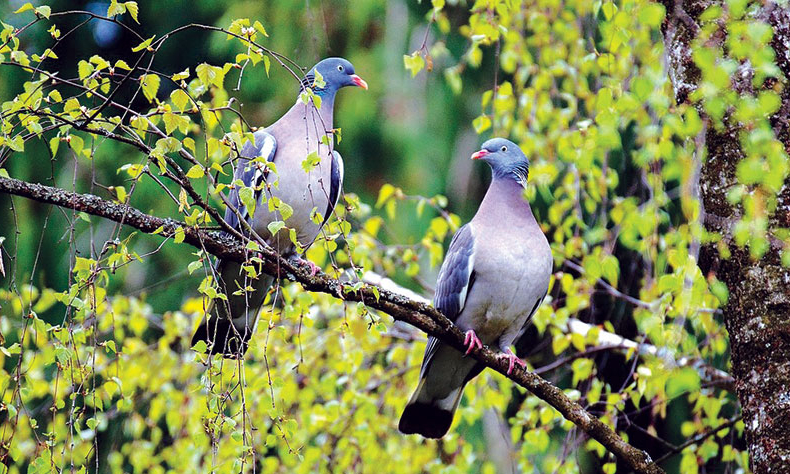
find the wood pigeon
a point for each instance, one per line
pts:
(310, 186)
(494, 276)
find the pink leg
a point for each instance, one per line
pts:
(471, 340)
(313, 267)
(512, 360)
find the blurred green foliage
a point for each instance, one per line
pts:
(96, 320)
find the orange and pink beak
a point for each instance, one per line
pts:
(359, 81)
(480, 154)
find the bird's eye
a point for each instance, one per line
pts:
(504, 148)
(340, 68)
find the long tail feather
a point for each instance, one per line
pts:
(229, 325)
(445, 374)
(429, 419)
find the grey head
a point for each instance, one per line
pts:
(506, 159)
(336, 73)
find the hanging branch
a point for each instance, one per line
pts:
(418, 314)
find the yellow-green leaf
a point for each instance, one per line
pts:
(150, 85)
(196, 171)
(275, 227)
(143, 45)
(181, 75)
(133, 10)
(115, 8)
(178, 237)
(180, 99)
(414, 62)
(25, 7)
(84, 69)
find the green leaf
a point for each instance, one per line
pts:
(84, 69)
(100, 62)
(318, 81)
(685, 380)
(259, 28)
(175, 121)
(209, 74)
(200, 347)
(737, 8)
(196, 171)
(143, 45)
(133, 10)
(167, 145)
(267, 64)
(54, 32)
(44, 11)
(286, 211)
(641, 87)
(386, 191)
(150, 85)
(181, 75)
(720, 291)
(180, 99)
(310, 162)
(481, 123)
(608, 9)
(414, 62)
(453, 78)
(189, 144)
(275, 227)
(247, 198)
(54, 143)
(17, 143)
(194, 266)
(119, 192)
(115, 8)
(76, 143)
(25, 7)
(651, 14)
(179, 235)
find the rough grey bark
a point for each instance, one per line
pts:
(416, 313)
(757, 315)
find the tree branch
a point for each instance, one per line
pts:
(606, 340)
(416, 313)
(700, 437)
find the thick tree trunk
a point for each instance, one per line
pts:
(757, 315)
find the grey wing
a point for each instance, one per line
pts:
(456, 278)
(335, 184)
(250, 173)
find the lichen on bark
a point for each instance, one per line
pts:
(757, 315)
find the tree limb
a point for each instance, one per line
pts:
(606, 340)
(418, 314)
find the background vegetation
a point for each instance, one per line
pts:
(97, 375)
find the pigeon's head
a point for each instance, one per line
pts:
(506, 159)
(336, 73)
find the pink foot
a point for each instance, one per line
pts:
(471, 340)
(512, 360)
(313, 267)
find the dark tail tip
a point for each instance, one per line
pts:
(222, 338)
(427, 420)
